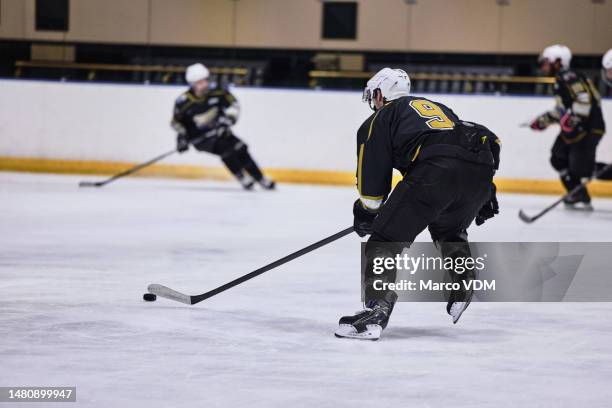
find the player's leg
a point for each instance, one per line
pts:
(581, 166)
(378, 304)
(560, 160)
(227, 148)
(414, 203)
(249, 165)
(220, 147)
(449, 230)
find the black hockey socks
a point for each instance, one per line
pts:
(233, 164)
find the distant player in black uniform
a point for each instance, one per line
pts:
(606, 76)
(448, 168)
(578, 112)
(204, 117)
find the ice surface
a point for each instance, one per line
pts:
(74, 264)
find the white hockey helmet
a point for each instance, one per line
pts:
(392, 83)
(557, 52)
(606, 67)
(195, 73)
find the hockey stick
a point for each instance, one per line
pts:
(126, 172)
(135, 168)
(166, 292)
(529, 219)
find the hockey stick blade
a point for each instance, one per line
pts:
(166, 292)
(172, 294)
(524, 217)
(90, 184)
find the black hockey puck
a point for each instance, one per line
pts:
(149, 297)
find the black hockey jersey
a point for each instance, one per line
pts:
(575, 91)
(409, 129)
(206, 115)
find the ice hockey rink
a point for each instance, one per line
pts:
(75, 262)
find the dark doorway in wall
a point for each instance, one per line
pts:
(52, 15)
(339, 20)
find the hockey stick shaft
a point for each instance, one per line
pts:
(128, 171)
(526, 218)
(135, 168)
(168, 293)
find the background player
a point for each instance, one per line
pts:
(208, 115)
(578, 112)
(606, 67)
(448, 168)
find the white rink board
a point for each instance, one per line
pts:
(292, 129)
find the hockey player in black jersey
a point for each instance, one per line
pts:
(578, 112)
(448, 168)
(204, 117)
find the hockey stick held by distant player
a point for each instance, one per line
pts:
(126, 172)
(133, 169)
(166, 292)
(529, 219)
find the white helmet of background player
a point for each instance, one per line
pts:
(391, 83)
(557, 52)
(195, 73)
(606, 67)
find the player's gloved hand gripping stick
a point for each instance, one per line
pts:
(166, 292)
(135, 168)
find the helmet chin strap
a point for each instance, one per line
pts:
(374, 95)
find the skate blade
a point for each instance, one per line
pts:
(346, 331)
(457, 310)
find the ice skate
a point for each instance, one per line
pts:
(267, 184)
(246, 181)
(581, 201)
(456, 309)
(367, 324)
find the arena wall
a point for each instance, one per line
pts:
(298, 135)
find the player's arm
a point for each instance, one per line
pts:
(178, 121)
(374, 172)
(230, 110)
(495, 146)
(374, 163)
(554, 115)
(178, 124)
(491, 207)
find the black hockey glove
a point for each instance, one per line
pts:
(182, 144)
(364, 218)
(490, 209)
(541, 122)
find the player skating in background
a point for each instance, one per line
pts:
(448, 168)
(578, 112)
(606, 68)
(606, 76)
(208, 115)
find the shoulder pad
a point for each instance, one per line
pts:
(182, 98)
(217, 92)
